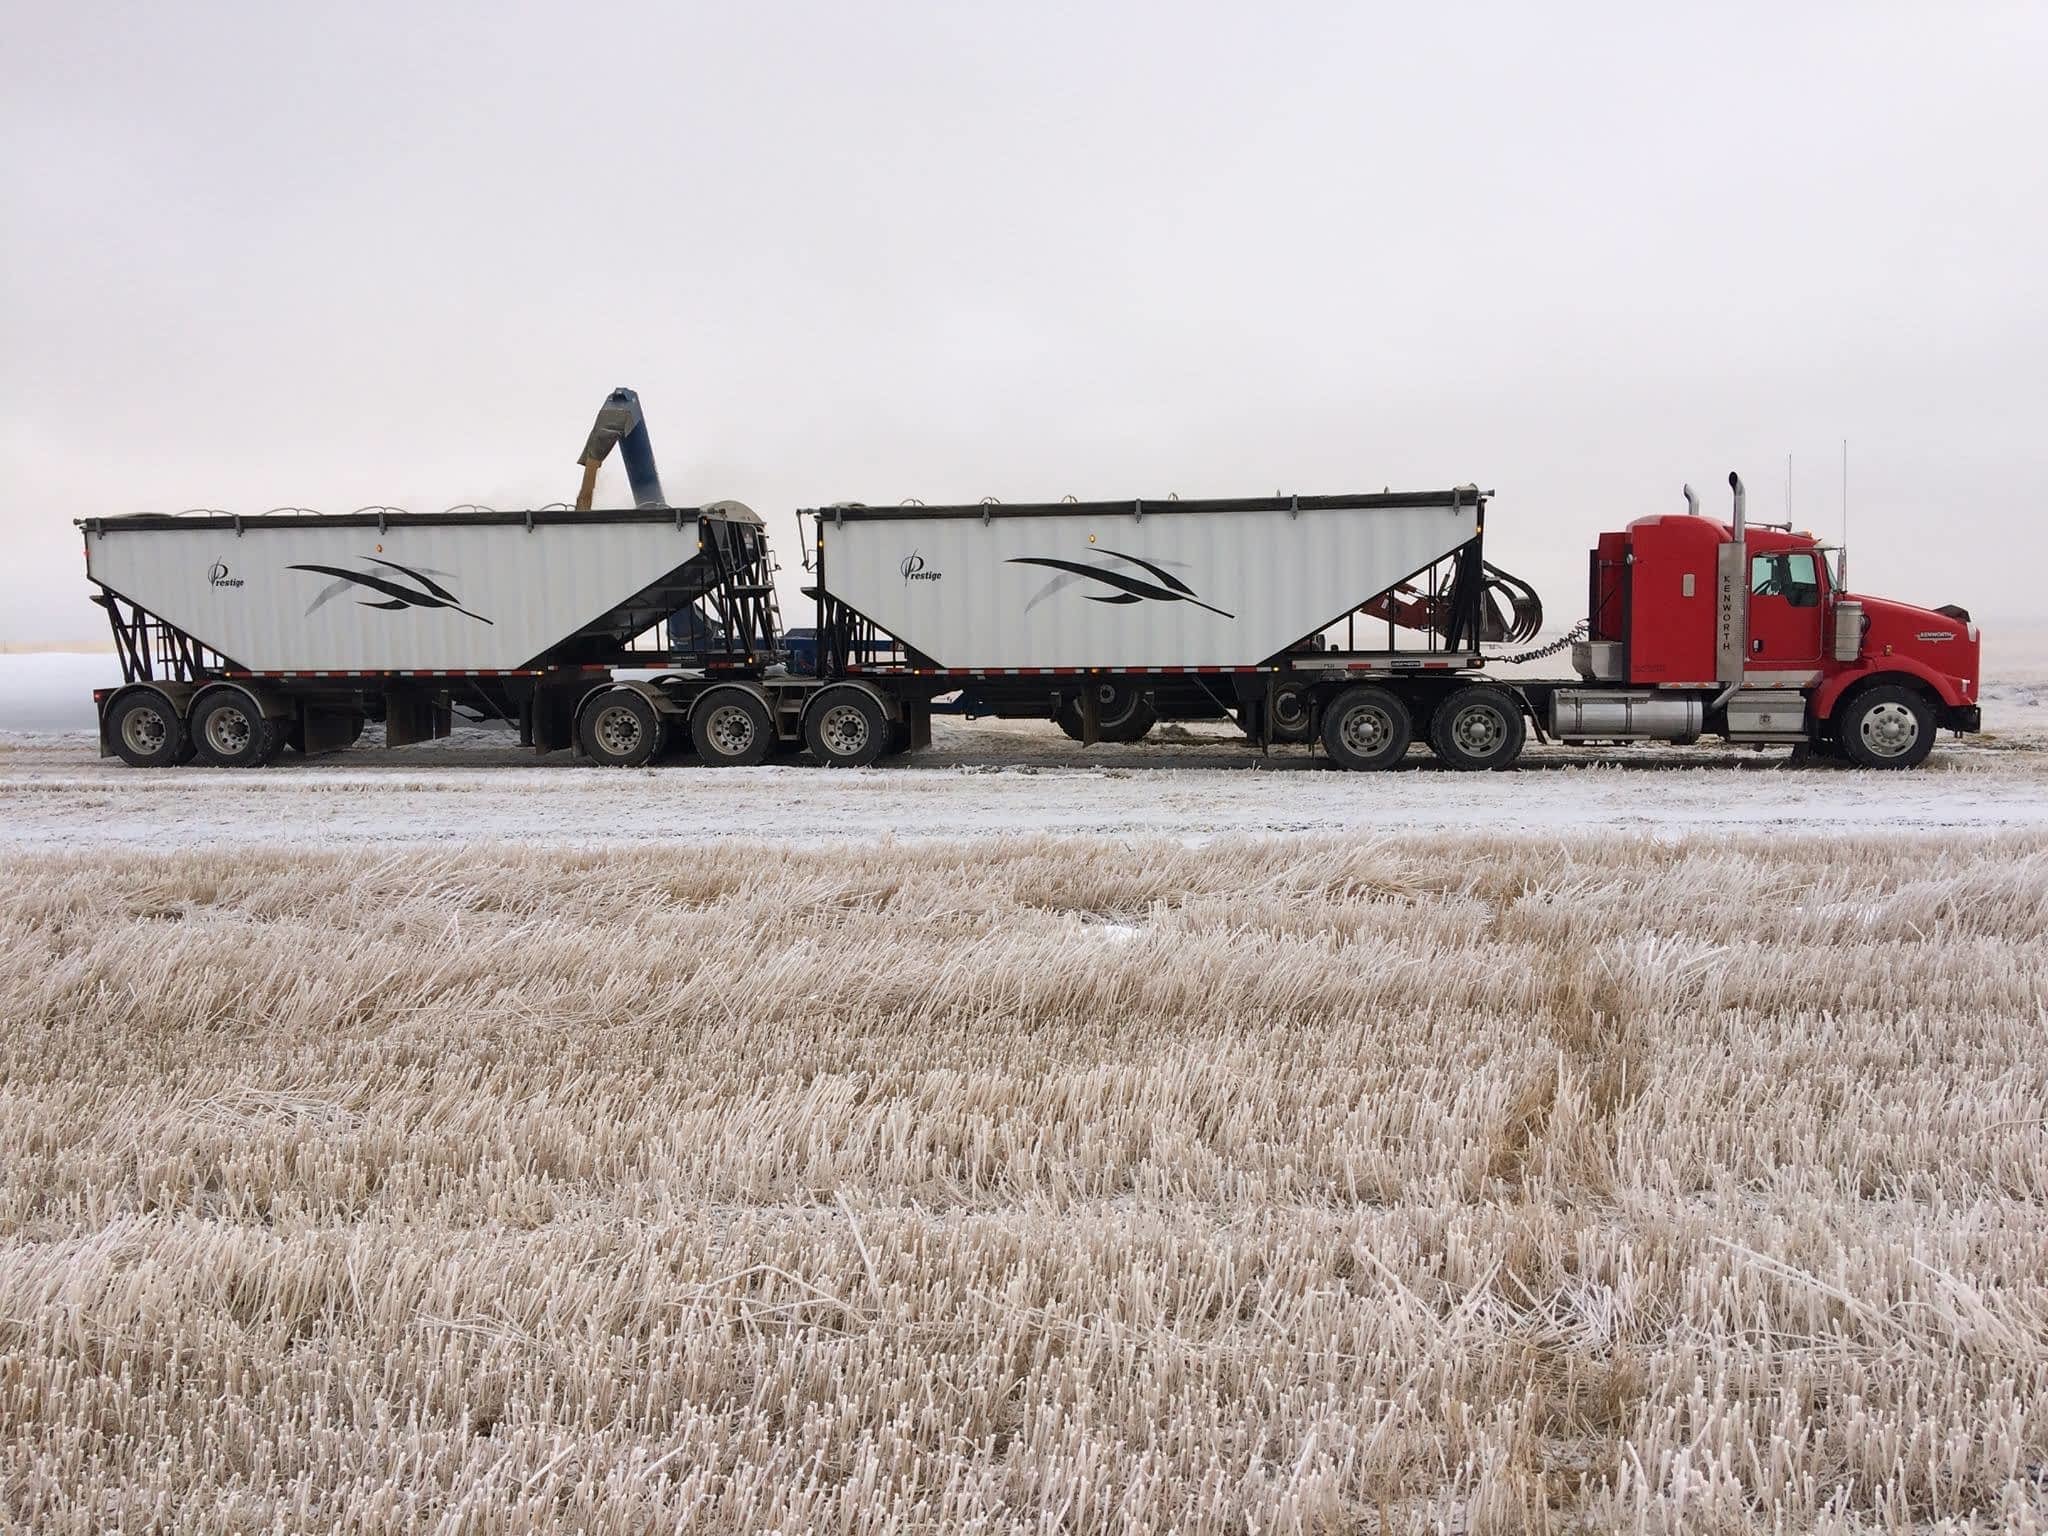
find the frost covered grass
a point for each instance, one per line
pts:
(1468, 1183)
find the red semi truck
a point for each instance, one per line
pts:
(1777, 650)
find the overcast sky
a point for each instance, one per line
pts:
(333, 255)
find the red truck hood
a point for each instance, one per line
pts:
(1940, 642)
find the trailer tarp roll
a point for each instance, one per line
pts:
(1132, 584)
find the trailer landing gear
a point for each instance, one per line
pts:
(1122, 714)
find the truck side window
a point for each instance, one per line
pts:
(1791, 577)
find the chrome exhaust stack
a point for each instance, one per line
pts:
(1731, 648)
(1692, 503)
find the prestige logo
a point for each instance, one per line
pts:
(913, 568)
(217, 576)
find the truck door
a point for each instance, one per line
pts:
(1784, 611)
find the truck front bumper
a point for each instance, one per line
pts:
(1963, 717)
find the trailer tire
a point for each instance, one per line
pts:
(1366, 728)
(144, 730)
(846, 728)
(621, 729)
(732, 728)
(1887, 726)
(230, 731)
(1477, 729)
(1122, 714)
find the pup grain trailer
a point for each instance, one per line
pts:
(241, 636)
(1359, 623)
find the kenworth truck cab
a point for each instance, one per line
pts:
(1750, 624)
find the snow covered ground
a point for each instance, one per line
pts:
(979, 778)
(45, 693)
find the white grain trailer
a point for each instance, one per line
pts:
(1131, 586)
(1294, 615)
(241, 637)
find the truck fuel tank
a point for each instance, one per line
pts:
(1583, 714)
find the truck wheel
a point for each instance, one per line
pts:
(1122, 714)
(731, 729)
(231, 732)
(145, 732)
(846, 728)
(1477, 728)
(620, 729)
(1366, 727)
(1886, 727)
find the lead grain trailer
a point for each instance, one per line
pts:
(243, 637)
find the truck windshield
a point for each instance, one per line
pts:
(1791, 577)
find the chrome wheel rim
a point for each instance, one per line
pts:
(1479, 730)
(1889, 730)
(730, 729)
(228, 731)
(144, 732)
(844, 730)
(1367, 729)
(619, 731)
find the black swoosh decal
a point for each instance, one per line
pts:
(406, 597)
(1117, 579)
(1168, 577)
(428, 582)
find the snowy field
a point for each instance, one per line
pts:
(1455, 1184)
(1022, 1138)
(979, 778)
